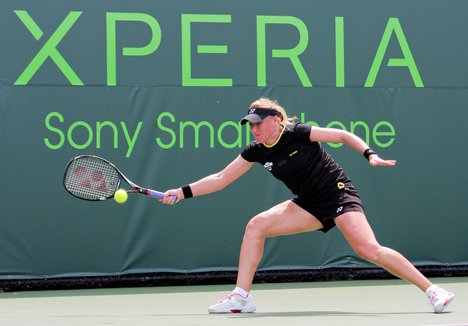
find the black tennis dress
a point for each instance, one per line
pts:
(320, 184)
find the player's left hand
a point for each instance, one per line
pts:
(375, 160)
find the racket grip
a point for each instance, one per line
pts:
(156, 194)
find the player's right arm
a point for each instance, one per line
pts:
(213, 182)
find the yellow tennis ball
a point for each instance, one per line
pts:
(120, 196)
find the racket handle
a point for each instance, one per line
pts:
(156, 194)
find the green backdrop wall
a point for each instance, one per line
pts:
(157, 87)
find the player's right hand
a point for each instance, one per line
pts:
(172, 196)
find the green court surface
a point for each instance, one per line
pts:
(388, 302)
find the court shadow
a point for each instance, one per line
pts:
(324, 314)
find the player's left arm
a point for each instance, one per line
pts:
(330, 135)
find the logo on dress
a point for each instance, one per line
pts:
(293, 153)
(268, 166)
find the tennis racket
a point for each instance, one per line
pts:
(91, 177)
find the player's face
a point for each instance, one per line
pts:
(266, 131)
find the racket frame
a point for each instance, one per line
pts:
(135, 188)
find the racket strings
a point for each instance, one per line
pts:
(91, 178)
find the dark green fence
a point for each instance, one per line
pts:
(157, 87)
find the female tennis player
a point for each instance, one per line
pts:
(325, 197)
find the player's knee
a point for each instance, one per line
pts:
(369, 251)
(257, 226)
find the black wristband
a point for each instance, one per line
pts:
(368, 152)
(187, 191)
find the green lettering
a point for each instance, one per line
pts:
(312, 123)
(99, 126)
(187, 79)
(339, 51)
(111, 22)
(218, 49)
(131, 140)
(49, 49)
(238, 141)
(59, 132)
(75, 125)
(171, 133)
(292, 54)
(393, 25)
(390, 132)
(247, 135)
(196, 127)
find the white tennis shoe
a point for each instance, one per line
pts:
(439, 298)
(233, 303)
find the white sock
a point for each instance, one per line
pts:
(431, 289)
(242, 292)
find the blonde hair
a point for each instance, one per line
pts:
(266, 103)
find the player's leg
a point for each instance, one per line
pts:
(282, 219)
(360, 236)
